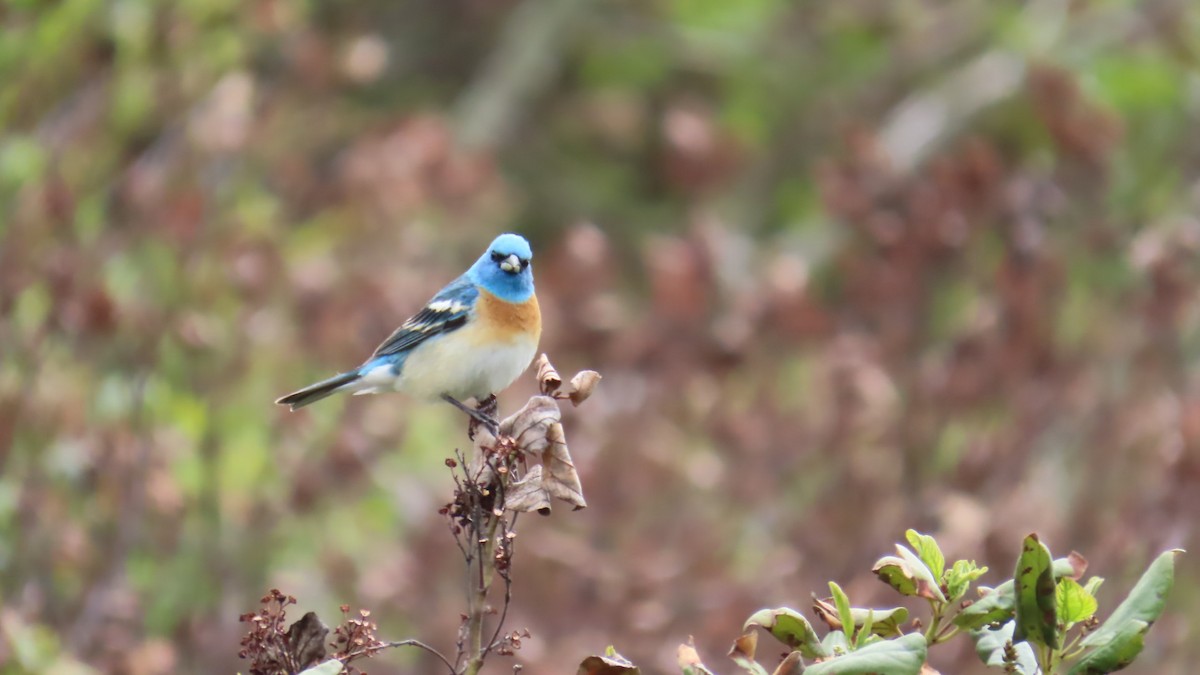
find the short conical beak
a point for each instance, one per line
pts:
(511, 264)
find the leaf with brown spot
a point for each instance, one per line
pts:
(1033, 584)
(908, 575)
(789, 627)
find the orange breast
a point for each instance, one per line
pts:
(509, 319)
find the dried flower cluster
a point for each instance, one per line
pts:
(356, 638)
(274, 650)
(511, 642)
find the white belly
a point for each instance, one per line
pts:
(456, 364)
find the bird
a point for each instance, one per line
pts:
(470, 340)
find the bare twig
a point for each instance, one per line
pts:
(406, 643)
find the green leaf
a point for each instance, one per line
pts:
(835, 643)
(884, 622)
(959, 577)
(908, 575)
(1037, 620)
(1093, 585)
(996, 606)
(860, 639)
(990, 645)
(330, 667)
(903, 656)
(1073, 602)
(789, 627)
(843, 607)
(1115, 654)
(1119, 640)
(929, 551)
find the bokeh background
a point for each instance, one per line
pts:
(847, 268)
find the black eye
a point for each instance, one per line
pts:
(496, 256)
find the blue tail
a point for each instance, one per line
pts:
(315, 392)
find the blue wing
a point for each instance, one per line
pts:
(445, 312)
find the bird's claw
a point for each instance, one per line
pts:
(484, 415)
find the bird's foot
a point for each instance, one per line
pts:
(484, 415)
(489, 408)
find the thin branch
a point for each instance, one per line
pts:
(401, 643)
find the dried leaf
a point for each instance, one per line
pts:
(548, 378)
(1072, 567)
(792, 665)
(689, 660)
(582, 385)
(827, 612)
(561, 480)
(536, 430)
(884, 622)
(742, 653)
(611, 663)
(306, 640)
(528, 425)
(527, 495)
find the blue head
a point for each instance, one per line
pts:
(505, 269)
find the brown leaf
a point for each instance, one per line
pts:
(528, 425)
(548, 378)
(536, 430)
(528, 495)
(582, 385)
(561, 481)
(686, 654)
(609, 664)
(744, 646)
(827, 612)
(1079, 565)
(792, 665)
(306, 640)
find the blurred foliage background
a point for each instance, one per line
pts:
(847, 267)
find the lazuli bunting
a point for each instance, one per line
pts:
(472, 339)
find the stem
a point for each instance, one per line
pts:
(934, 623)
(945, 635)
(481, 571)
(506, 576)
(1045, 659)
